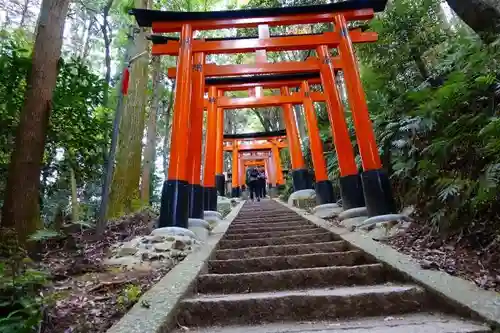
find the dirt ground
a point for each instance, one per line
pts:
(90, 297)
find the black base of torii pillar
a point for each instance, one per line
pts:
(220, 184)
(351, 191)
(195, 201)
(210, 198)
(377, 192)
(235, 192)
(174, 209)
(301, 179)
(324, 192)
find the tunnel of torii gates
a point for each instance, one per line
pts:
(183, 196)
(254, 149)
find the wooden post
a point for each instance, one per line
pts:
(351, 190)
(220, 179)
(195, 138)
(376, 185)
(242, 173)
(300, 174)
(324, 189)
(175, 195)
(277, 164)
(209, 189)
(235, 188)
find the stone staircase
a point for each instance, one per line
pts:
(276, 272)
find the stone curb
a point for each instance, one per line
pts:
(462, 293)
(163, 298)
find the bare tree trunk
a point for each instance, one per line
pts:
(483, 16)
(24, 13)
(86, 45)
(300, 122)
(266, 124)
(150, 150)
(23, 181)
(422, 69)
(228, 122)
(106, 32)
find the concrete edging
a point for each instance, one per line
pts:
(164, 297)
(484, 304)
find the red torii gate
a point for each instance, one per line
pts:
(376, 187)
(215, 129)
(253, 142)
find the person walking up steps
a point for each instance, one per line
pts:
(253, 180)
(262, 182)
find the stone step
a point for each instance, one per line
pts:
(271, 234)
(268, 225)
(298, 239)
(280, 250)
(311, 304)
(276, 263)
(270, 219)
(291, 279)
(271, 211)
(409, 323)
(232, 231)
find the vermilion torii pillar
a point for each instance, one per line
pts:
(209, 189)
(235, 184)
(376, 185)
(324, 189)
(175, 193)
(300, 174)
(277, 162)
(196, 133)
(220, 179)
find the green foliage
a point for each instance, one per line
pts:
(129, 296)
(44, 234)
(433, 103)
(78, 131)
(288, 189)
(21, 300)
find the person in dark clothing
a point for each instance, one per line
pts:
(253, 184)
(262, 182)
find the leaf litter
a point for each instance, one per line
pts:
(89, 296)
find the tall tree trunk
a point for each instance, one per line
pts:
(422, 69)
(150, 151)
(24, 13)
(125, 194)
(300, 122)
(264, 121)
(23, 181)
(86, 44)
(483, 16)
(228, 122)
(277, 115)
(166, 140)
(105, 29)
